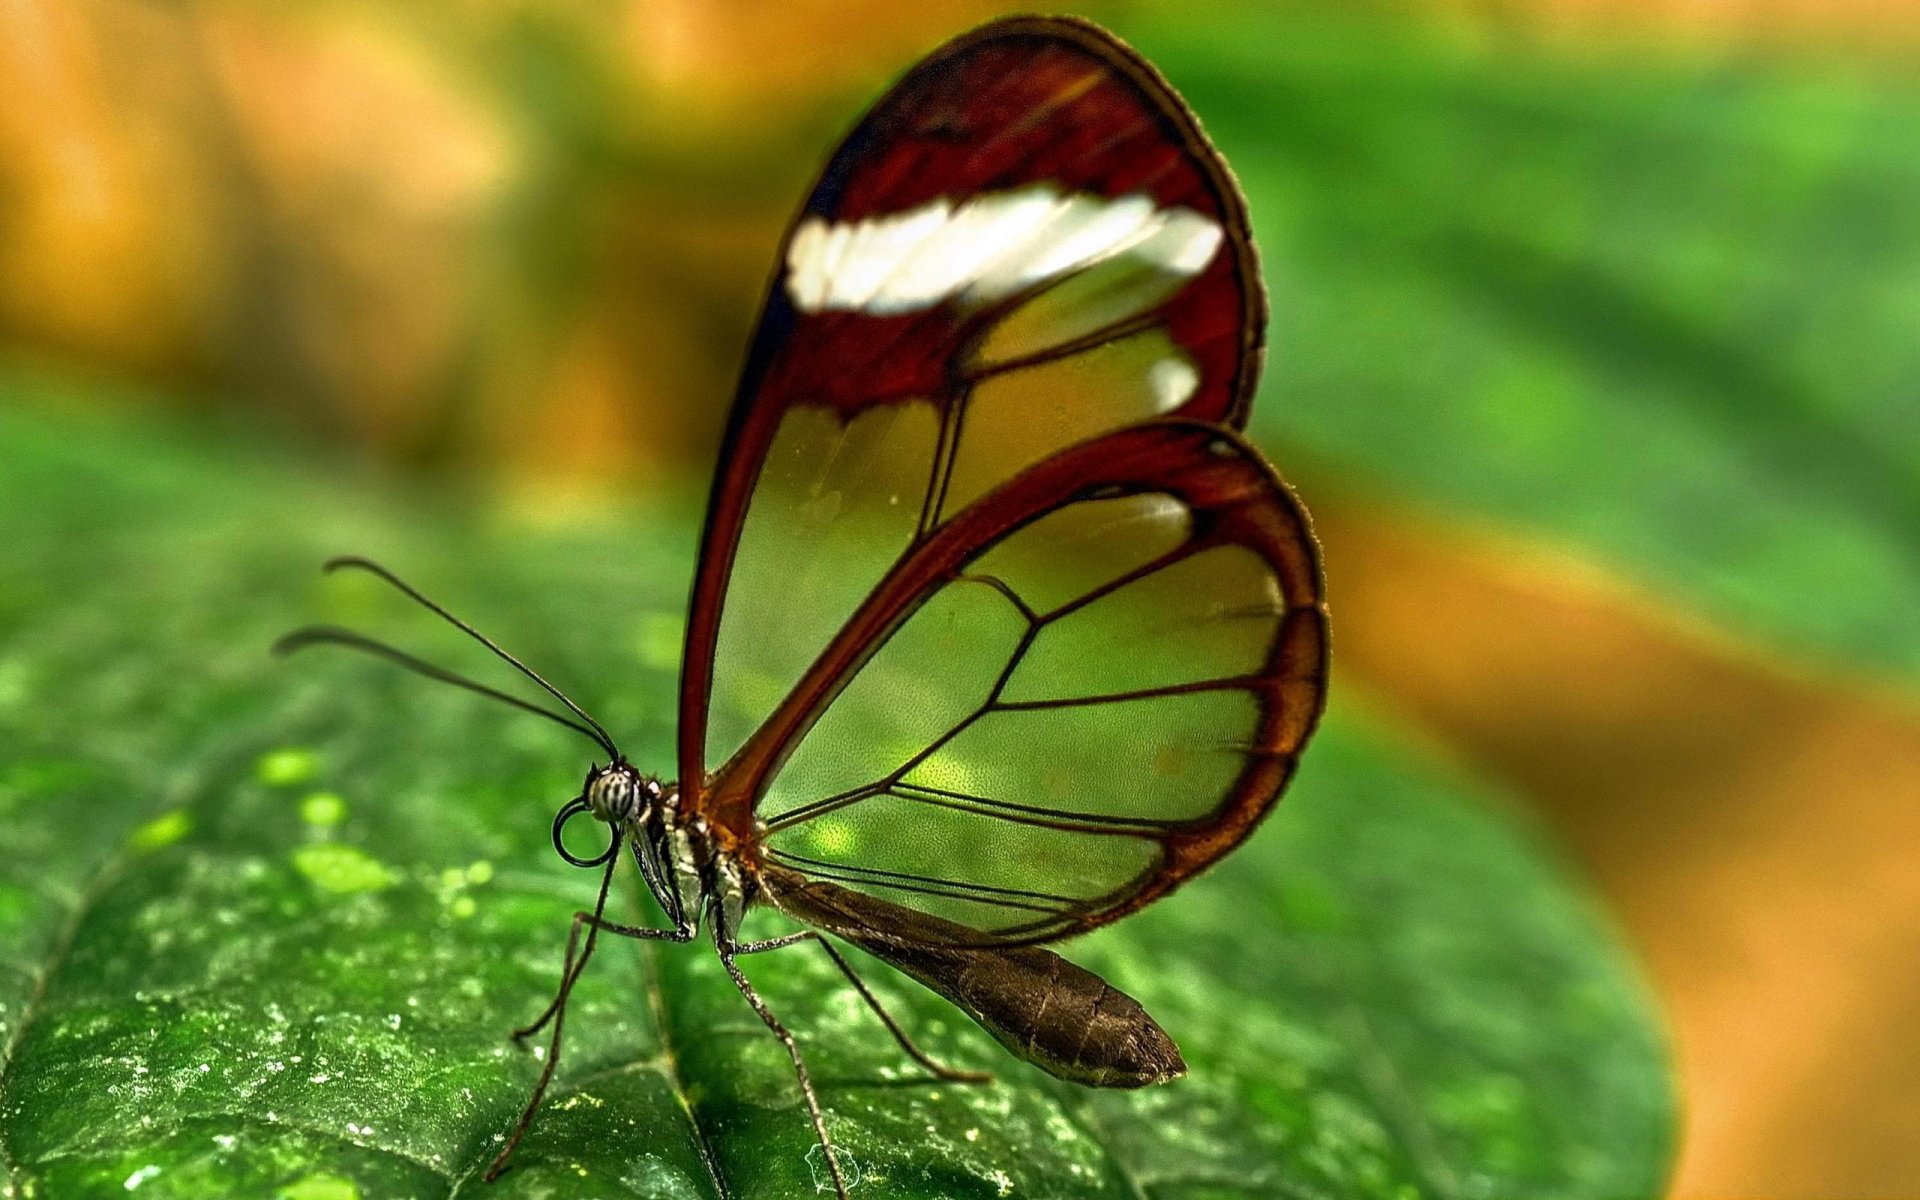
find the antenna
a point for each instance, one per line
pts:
(344, 637)
(333, 635)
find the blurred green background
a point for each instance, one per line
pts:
(1594, 355)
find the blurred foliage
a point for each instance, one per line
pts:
(259, 938)
(1658, 310)
(1653, 306)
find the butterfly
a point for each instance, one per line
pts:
(1000, 631)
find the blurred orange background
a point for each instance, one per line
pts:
(522, 243)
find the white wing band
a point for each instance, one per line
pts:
(986, 249)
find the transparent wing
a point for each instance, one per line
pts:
(1025, 244)
(1066, 701)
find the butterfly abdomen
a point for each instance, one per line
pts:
(1060, 1017)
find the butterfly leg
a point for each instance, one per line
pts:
(727, 953)
(569, 975)
(557, 1010)
(933, 1065)
(579, 965)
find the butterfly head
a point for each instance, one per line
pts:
(620, 795)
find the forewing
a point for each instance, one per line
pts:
(1067, 700)
(1026, 243)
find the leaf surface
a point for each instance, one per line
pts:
(264, 926)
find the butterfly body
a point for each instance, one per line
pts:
(1000, 631)
(1042, 1008)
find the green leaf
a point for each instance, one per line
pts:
(1658, 307)
(264, 926)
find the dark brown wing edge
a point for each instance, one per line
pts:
(1060, 1017)
(1234, 497)
(751, 426)
(1221, 181)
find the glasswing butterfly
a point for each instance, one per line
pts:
(1000, 631)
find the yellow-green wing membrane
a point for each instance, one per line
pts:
(1072, 697)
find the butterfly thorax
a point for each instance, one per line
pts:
(688, 869)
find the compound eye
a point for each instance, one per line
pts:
(608, 795)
